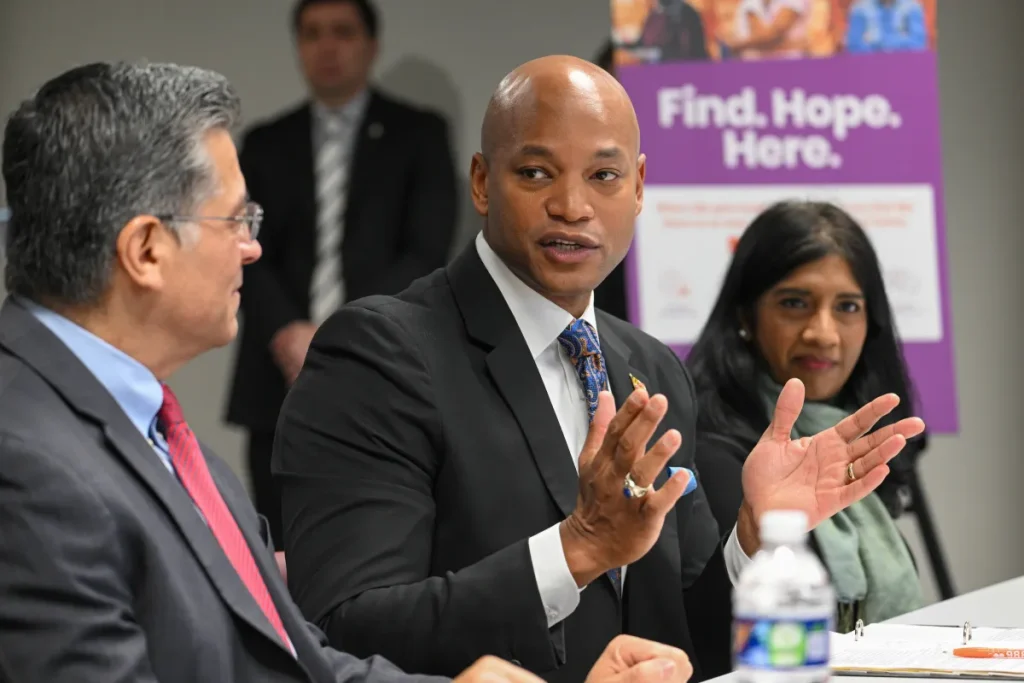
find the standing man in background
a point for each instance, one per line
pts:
(360, 198)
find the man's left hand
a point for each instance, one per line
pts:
(811, 474)
(629, 659)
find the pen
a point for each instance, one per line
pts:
(989, 652)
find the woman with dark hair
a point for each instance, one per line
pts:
(804, 298)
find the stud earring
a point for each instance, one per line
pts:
(744, 335)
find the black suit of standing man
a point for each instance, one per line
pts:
(359, 194)
(428, 451)
(128, 551)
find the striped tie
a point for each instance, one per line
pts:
(327, 290)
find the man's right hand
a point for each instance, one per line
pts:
(627, 659)
(289, 347)
(490, 669)
(608, 530)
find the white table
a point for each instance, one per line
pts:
(998, 605)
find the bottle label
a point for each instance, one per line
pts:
(781, 643)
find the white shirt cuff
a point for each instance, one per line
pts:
(735, 559)
(558, 590)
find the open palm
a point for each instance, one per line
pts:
(811, 474)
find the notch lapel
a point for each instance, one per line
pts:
(524, 392)
(490, 322)
(139, 456)
(365, 163)
(293, 621)
(30, 340)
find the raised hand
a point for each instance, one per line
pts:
(813, 474)
(608, 530)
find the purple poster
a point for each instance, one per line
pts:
(724, 138)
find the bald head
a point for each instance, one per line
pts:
(560, 177)
(557, 86)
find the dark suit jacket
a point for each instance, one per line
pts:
(611, 294)
(107, 572)
(418, 452)
(400, 216)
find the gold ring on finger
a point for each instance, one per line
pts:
(849, 473)
(631, 489)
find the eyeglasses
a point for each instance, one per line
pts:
(249, 221)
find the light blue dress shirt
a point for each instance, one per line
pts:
(135, 388)
(131, 383)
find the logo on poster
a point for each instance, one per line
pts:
(745, 140)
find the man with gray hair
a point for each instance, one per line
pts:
(128, 551)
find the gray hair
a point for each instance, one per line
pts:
(95, 147)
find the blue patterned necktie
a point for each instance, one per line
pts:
(580, 343)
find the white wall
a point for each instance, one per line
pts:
(973, 478)
(451, 53)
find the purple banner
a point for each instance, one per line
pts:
(725, 139)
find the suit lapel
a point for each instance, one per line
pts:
(362, 171)
(523, 390)
(490, 322)
(30, 340)
(139, 456)
(294, 623)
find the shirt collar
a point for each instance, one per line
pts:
(131, 383)
(350, 112)
(540, 320)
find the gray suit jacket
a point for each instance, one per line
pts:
(107, 572)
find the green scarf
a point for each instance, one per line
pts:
(871, 568)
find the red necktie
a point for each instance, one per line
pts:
(194, 474)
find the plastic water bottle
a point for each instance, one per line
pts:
(783, 607)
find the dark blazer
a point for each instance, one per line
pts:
(400, 216)
(107, 572)
(418, 452)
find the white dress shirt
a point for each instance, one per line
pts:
(541, 321)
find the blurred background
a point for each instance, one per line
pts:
(450, 54)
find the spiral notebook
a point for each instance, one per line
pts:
(924, 651)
